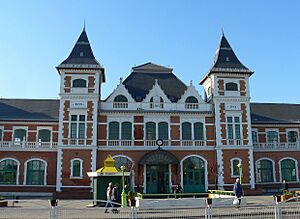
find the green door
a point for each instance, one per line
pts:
(193, 175)
(157, 179)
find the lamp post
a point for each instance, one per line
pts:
(123, 194)
(241, 171)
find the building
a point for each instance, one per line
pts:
(161, 129)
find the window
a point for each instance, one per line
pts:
(1, 135)
(36, 172)
(198, 131)
(272, 136)
(231, 86)
(76, 168)
(79, 83)
(77, 129)
(265, 171)
(288, 170)
(113, 133)
(8, 172)
(150, 131)
(186, 131)
(292, 136)
(120, 98)
(122, 160)
(235, 171)
(233, 127)
(19, 135)
(163, 131)
(191, 103)
(120, 101)
(44, 135)
(254, 137)
(126, 131)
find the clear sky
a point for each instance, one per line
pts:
(36, 36)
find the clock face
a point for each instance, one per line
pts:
(159, 142)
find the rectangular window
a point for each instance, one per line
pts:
(292, 136)
(233, 127)
(1, 135)
(76, 168)
(272, 137)
(254, 137)
(229, 131)
(77, 126)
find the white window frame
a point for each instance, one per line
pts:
(296, 167)
(193, 121)
(42, 128)
(71, 168)
(231, 166)
(18, 168)
(25, 171)
(233, 126)
(257, 135)
(20, 127)
(2, 136)
(287, 134)
(273, 167)
(78, 114)
(272, 129)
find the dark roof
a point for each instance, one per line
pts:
(29, 109)
(274, 113)
(226, 61)
(81, 55)
(142, 79)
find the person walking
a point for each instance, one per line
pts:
(238, 191)
(116, 198)
(109, 197)
(285, 187)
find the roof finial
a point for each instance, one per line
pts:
(222, 31)
(191, 82)
(84, 24)
(121, 80)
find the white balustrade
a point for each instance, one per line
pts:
(27, 145)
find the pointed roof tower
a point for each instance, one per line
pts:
(82, 55)
(226, 61)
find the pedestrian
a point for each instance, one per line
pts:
(238, 191)
(178, 190)
(109, 197)
(285, 187)
(116, 198)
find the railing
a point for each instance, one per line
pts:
(234, 142)
(77, 141)
(120, 105)
(27, 145)
(192, 105)
(128, 143)
(277, 146)
(120, 143)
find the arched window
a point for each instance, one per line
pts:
(163, 131)
(79, 83)
(44, 135)
(120, 101)
(235, 172)
(194, 174)
(126, 132)
(113, 131)
(288, 170)
(8, 171)
(198, 131)
(19, 135)
(191, 99)
(76, 168)
(36, 172)
(265, 171)
(150, 131)
(231, 86)
(186, 130)
(122, 160)
(120, 98)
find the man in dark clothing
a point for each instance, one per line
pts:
(238, 190)
(285, 187)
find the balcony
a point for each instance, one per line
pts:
(25, 145)
(234, 142)
(77, 141)
(152, 143)
(277, 146)
(119, 142)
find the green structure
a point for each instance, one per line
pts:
(103, 176)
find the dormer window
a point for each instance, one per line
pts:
(154, 104)
(231, 86)
(191, 103)
(120, 101)
(79, 83)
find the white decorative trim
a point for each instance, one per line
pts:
(20, 127)
(273, 167)
(145, 183)
(120, 90)
(156, 91)
(205, 168)
(296, 167)
(71, 168)
(59, 170)
(25, 170)
(190, 91)
(18, 168)
(220, 169)
(251, 168)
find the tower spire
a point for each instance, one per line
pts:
(84, 24)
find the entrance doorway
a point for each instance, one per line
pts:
(157, 179)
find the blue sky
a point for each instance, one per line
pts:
(36, 36)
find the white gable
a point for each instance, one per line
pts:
(156, 92)
(120, 90)
(191, 91)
